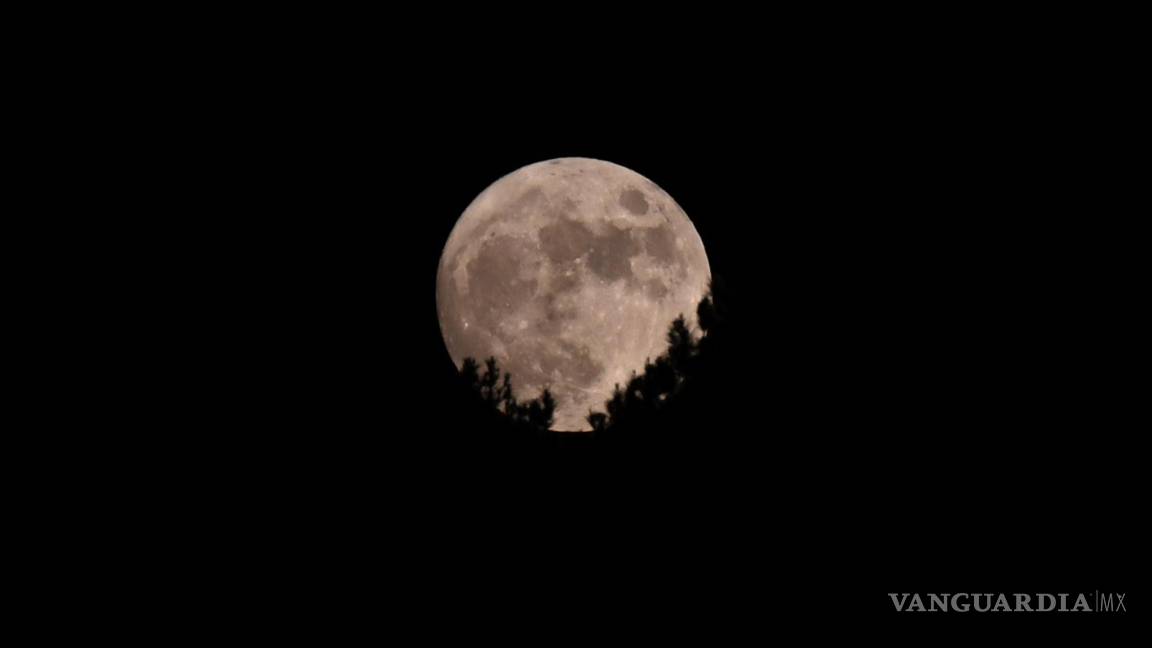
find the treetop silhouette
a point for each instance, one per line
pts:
(633, 405)
(495, 389)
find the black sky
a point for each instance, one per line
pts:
(924, 293)
(931, 274)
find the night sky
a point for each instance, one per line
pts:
(930, 287)
(918, 393)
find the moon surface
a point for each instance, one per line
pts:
(569, 272)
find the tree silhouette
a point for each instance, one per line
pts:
(470, 373)
(494, 389)
(638, 404)
(681, 347)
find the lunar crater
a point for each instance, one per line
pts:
(565, 240)
(611, 254)
(633, 200)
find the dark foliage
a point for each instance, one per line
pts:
(494, 389)
(639, 406)
(659, 400)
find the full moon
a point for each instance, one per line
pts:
(569, 272)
